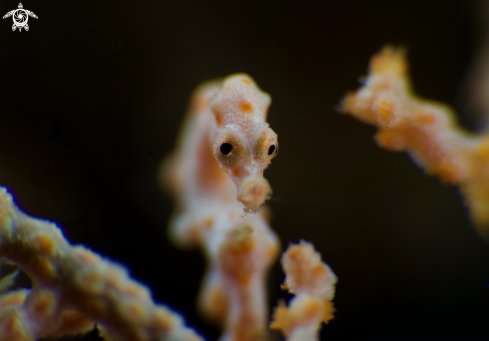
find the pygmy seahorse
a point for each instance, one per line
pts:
(225, 132)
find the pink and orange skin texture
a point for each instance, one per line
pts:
(242, 141)
(216, 177)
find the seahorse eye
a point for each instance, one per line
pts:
(226, 148)
(271, 149)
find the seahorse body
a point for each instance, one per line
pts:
(223, 148)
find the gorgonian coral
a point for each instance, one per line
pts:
(425, 129)
(313, 283)
(73, 289)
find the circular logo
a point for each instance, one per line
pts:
(20, 17)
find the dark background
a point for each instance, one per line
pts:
(92, 96)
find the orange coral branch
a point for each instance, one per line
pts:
(425, 129)
(313, 283)
(73, 288)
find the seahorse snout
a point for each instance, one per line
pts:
(253, 192)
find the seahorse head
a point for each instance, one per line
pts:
(243, 142)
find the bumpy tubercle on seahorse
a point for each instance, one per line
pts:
(225, 132)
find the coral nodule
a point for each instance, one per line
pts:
(313, 283)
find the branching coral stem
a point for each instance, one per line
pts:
(425, 129)
(73, 288)
(313, 283)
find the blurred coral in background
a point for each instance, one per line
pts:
(427, 130)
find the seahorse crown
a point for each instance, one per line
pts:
(20, 5)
